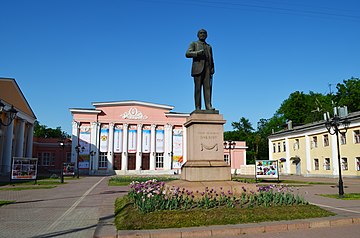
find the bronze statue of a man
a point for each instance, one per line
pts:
(202, 69)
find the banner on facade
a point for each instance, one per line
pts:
(84, 139)
(177, 148)
(24, 168)
(146, 141)
(69, 169)
(104, 138)
(132, 141)
(159, 137)
(84, 161)
(118, 135)
(266, 169)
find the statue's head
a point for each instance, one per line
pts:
(202, 34)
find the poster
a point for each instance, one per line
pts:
(118, 139)
(104, 138)
(177, 148)
(69, 169)
(24, 168)
(132, 141)
(159, 138)
(146, 141)
(266, 169)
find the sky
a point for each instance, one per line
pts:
(70, 53)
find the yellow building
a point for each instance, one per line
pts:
(16, 125)
(310, 150)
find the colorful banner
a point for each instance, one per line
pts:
(146, 141)
(159, 137)
(177, 148)
(266, 169)
(132, 141)
(118, 139)
(84, 161)
(84, 139)
(104, 138)
(24, 168)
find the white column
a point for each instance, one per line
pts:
(139, 147)
(124, 158)
(287, 162)
(334, 154)
(29, 142)
(307, 154)
(152, 147)
(7, 152)
(20, 135)
(74, 139)
(110, 154)
(95, 143)
(168, 146)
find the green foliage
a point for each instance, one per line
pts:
(348, 94)
(42, 131)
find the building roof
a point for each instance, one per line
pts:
(11, 94)
(132, 102)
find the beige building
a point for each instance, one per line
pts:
(310, 150)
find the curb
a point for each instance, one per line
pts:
(107, 230)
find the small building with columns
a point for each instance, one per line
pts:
(16, 131)
(131, 137)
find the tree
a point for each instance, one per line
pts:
(42, 131)
(348, 94)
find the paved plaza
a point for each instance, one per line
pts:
(85, 207)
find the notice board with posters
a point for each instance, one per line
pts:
(24, 168)
(266, 169)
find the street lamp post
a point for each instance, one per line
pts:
(11, 114)
(77, 148)
(62, 145)
(229, 145)
(332, 125)
(92, 154)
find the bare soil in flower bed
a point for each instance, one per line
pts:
(129, 218)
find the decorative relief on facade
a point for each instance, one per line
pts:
(216, 147)
(134, 114)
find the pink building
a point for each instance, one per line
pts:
(133, 137)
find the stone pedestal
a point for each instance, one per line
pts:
(205, 153)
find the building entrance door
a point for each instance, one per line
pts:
(145, 161)
(117, 161)
(298, 168)
(131, 161)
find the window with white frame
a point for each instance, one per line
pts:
(102, 160)
(344, 163)
(284, 146)
(274, 147)
(226, 158)
(296, 144)
(46, 158)
(327, 164)
(326, 140)
(159, 160)
(357, 161)
(279, 147)
(316, 164)
(314, 142)
(342, 139)
(357, 136)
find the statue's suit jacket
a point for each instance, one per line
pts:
(199, 61)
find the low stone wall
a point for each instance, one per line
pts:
(246, 170)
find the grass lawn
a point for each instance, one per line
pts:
(2, 203)
(126, 180)
(47, 183)
(347, 196)
(128, 218)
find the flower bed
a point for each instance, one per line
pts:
(153, 195)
